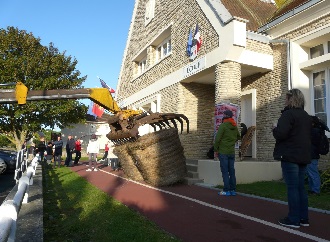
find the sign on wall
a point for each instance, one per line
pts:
(218, 113)
(194, 67)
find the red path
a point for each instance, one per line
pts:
(195, 213)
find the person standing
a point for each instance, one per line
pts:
(93, 148)
(49, 150)
(41, 148)
(58, 151)
(78, 151)
(312, 170)
(112, 158)
(70, 145)
(106, 151)
(224, 145)
(293, 148)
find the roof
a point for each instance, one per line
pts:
(256, 12)
(286, 7)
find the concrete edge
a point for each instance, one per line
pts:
(262, 198)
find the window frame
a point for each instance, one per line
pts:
(160, 47)
(326, 49)
(327, 93)
(142, 65)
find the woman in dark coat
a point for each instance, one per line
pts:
(293, 149)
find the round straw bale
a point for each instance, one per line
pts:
(159, 157)
(127, 163)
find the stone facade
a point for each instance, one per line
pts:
(307, 28)
(197, 104)
(181, 14)
(271, 89)
(197, 99)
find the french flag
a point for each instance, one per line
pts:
(95, 110)
(104, 85)
(198, 38)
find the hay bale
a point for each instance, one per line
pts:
(127, 163)
(158, 157)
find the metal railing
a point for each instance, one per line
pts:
(9, 209)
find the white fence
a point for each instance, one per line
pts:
(10, 208)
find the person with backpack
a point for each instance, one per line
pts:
(320, 145)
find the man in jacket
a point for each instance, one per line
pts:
(70, 145)
(314, 180)
(58, 151)
(224, 145)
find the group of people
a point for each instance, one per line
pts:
(54, 150)
(297, 138)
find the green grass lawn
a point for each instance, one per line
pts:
(74, 210)
(277, 190)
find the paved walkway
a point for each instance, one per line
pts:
(196, 213)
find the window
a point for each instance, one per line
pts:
(320, 95)
(164, 49)
(142, 65)
(320, 50)
(317, 51)
(150, 11)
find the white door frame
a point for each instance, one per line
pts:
(253, 93)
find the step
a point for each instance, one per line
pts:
(192, 174)
(191, 162)
(191, 167)
(192, 181)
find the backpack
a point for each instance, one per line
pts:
(323, 148)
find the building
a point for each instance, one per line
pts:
(98, 126)
(247, 53)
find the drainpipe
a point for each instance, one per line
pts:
(288, 48)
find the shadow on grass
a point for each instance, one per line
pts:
(75, 210)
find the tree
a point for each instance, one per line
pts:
(23, 58)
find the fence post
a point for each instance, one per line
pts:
(9, 213)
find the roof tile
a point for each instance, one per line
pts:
(256, 11)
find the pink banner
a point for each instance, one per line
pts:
(218, 113)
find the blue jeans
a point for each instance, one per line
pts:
(68, 157)
(228, 172)
(294, 175)
(314, 180)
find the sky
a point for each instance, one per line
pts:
(94, 32)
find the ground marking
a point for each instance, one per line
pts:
(292, 231)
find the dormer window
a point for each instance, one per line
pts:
(150, 11)
(320, 50)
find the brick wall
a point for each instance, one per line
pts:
(258, 47)
(197, 104)
(271, 89)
